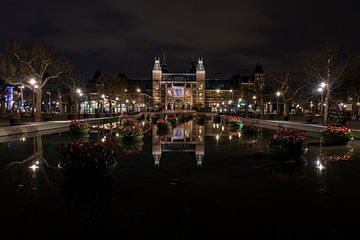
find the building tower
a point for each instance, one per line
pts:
(200, 80)
(259, 77)
(156, 87)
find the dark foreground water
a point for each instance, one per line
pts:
(200, 180)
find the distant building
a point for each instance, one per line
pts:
(186, 90)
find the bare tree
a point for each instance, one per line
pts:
(38, 62)
(112, 86)
(7, 75)
(328, 67)
(289, 88)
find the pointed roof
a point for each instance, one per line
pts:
(259, 69)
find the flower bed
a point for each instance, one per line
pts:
(287, 143)
(134, 132)
(132, 147)
(127, 121)
(163, 126)
(233, 122)
(78, 126)
(336, 136)
(249, 128)
(341, 153)
(81, 158)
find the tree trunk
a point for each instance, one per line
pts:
(38, 95)
(110, 107)
(285, 104)
(326, 107)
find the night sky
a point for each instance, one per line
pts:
(232, 36)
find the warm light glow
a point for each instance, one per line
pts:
(230, 137)
(254, 97)
(138, 90)
(230, 101)
(78, 90)
(217, 137)
(217, 90)
(102, 95)
(250, 106)
(117, 99)
(32, 81)
(125, 90)
(34, 167)
(127, 100)
(278, 93)
(320, 89)
(133, 102)
(322, 84)
(231, 90)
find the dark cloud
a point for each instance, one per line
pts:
(233, 36)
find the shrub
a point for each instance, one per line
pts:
(336, 135)
(308, 118)
(130, 132)
(14, 116)
(127, 121)
(70, 116)
(285, 117)
(249, 128)
(77, 125)
(287, 143)
(86, 115)
(48, 116)
(341, 120)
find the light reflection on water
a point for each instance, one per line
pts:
(29, 164)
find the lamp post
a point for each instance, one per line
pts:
(79, 93)
(33, 82)
(321, 91)
(127, 105)
(22, 98)
(278, 93)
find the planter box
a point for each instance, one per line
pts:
(334, 141)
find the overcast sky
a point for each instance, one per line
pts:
(232, 36)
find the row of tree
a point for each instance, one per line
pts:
(339, 71)
(19, 63)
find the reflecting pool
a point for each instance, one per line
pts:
(197, 178)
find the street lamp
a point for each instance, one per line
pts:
(321, 91)
(127, 105)
(278, 93)
(33, 82)
(79, 92)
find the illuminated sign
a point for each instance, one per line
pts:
(178, 133)
(178, 91)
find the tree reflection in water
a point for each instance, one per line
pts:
(29, 174)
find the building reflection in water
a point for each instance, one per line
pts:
(187, 137)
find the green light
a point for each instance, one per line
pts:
(241, 125)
